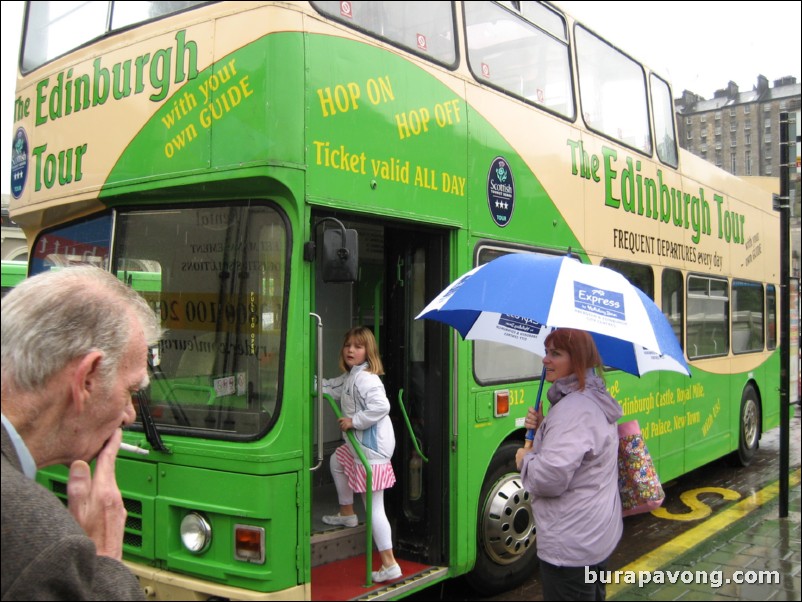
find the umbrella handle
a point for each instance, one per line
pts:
(530, 433)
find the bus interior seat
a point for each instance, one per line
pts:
(200, 360)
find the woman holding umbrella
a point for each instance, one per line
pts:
(571, 470)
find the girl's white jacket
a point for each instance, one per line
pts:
(363, 399)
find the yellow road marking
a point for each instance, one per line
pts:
(698, 508)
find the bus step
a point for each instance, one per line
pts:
(345, 580)
(337, 543)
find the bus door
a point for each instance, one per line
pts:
(416, 363)
(400, 269)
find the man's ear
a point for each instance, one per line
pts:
(86, 378)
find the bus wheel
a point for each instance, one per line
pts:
(505, 551)
(749, 431)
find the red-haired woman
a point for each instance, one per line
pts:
(571, 471)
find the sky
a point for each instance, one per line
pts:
(696, 46)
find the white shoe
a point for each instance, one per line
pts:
(338, 519)
(387, 573)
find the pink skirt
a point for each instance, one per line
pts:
(383, 475)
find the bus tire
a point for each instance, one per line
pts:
(506, 554)
(749, 427)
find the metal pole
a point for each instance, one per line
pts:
(785, 312)
(319, 393)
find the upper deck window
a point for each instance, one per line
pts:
(55, 28)
(425, 28)
(663, 110)
(524, 53)
(612, 89)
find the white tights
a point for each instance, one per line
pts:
(382, 534)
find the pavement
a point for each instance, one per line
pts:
(746, 553)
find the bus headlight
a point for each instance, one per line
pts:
(196, 533)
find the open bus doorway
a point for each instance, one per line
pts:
(401, 267)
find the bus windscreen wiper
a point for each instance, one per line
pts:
(151, 432)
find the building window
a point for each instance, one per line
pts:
(690, 135)
(703, 118)
(747, 138)
(747, 109)
(718, 116)
(767, 123)
(732, 112)
(747, 125)
(688, 121)
(733, 127)
(748, 163)
(733, 163)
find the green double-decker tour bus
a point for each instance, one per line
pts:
(270, 174)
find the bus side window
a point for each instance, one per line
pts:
(641, 276)
(612, 89)
(663, 112)
(708, 316)
(673, 299)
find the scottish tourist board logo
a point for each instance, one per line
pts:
(500, 191)
(608, 304)
(19, 163)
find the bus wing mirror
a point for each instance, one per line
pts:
(340, 255)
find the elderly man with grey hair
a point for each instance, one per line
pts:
(74, 351)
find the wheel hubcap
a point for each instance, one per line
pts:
(508, 527)
(750, 424)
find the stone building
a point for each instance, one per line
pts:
(740, 133)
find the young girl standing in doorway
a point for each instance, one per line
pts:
(366, 410)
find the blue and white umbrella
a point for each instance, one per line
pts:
(519, 298)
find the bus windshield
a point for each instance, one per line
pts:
(219, 288)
